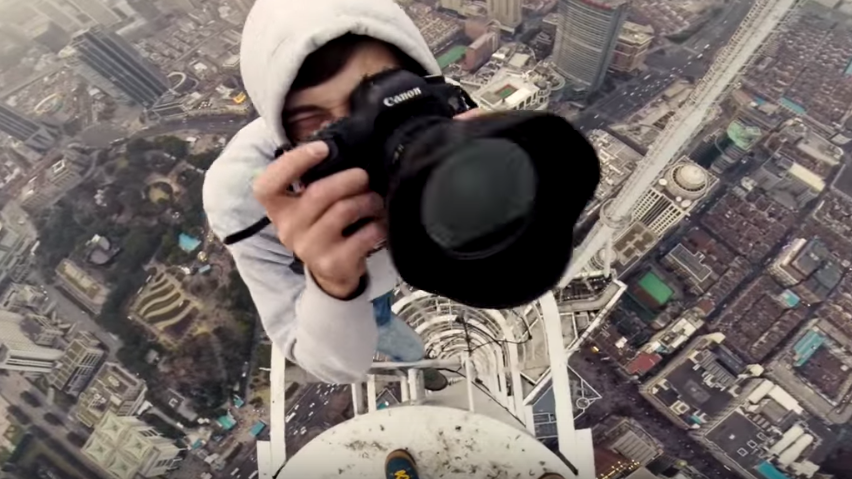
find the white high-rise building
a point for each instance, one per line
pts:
(78, 364)
(507, 12)
(128, 448)
(662, 206)
(18, 351)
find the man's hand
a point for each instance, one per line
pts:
(312, 223)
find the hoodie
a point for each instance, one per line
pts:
(331, 339)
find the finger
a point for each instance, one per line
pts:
(470, 114)
(360, 244)
(348, 212)
(288, 168)
(323, 194)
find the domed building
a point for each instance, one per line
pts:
(687, 180)
(662, 207)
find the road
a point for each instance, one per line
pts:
(224, 124)
(11, 387)
(717, 32)
(68, 311)
(305, 408)
(665, 65)
(621, 397)
(246, 462)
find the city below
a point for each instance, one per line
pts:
(706, 321)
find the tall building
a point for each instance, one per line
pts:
(661, 208)
(586, 37)
(480, 51)
(128, 448)
(507, 12)
(78, 364)
(18, 351)
(740, 138)
(47, 188)
(15, 244)
(35, 135)
(111, 57)
(113, 390)
(41, 330)
(25, 298)
(627, 437)
(632, 47)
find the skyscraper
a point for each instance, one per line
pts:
(16, 125)
(33, 134)
(116, 61)
(78, 364)
(507, 12)
(586, 37)
(19, 352)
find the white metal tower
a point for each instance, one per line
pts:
(764, 17)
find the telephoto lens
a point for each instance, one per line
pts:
(483, 211)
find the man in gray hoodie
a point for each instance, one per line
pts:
(322, 297)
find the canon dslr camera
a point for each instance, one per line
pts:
(480, 211)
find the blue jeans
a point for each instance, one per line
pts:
(396, 338)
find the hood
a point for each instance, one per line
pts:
(279, 35)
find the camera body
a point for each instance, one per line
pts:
(479, 211)
(387, 110)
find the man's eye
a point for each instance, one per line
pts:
(305, 127)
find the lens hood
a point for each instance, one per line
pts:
(567, 173)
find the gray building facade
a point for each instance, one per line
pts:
(112, 58)
(586, 35)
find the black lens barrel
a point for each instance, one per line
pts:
(475, 254)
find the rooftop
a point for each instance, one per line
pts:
(807, 68)
(739, 438)
(653, 285)
(506, 91)
(687, 384)
(636, 34)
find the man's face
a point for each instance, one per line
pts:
(309, 110)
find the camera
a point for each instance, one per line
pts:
(481, 211)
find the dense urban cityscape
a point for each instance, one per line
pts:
(706, 322)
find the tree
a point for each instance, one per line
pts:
(30, 399)
(173, 146)
(51, 418)
(75, 439)
(19, 415)
(204, 160)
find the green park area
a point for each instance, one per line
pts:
(451, 56)
(149, 196)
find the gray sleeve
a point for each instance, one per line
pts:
(333, 340)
